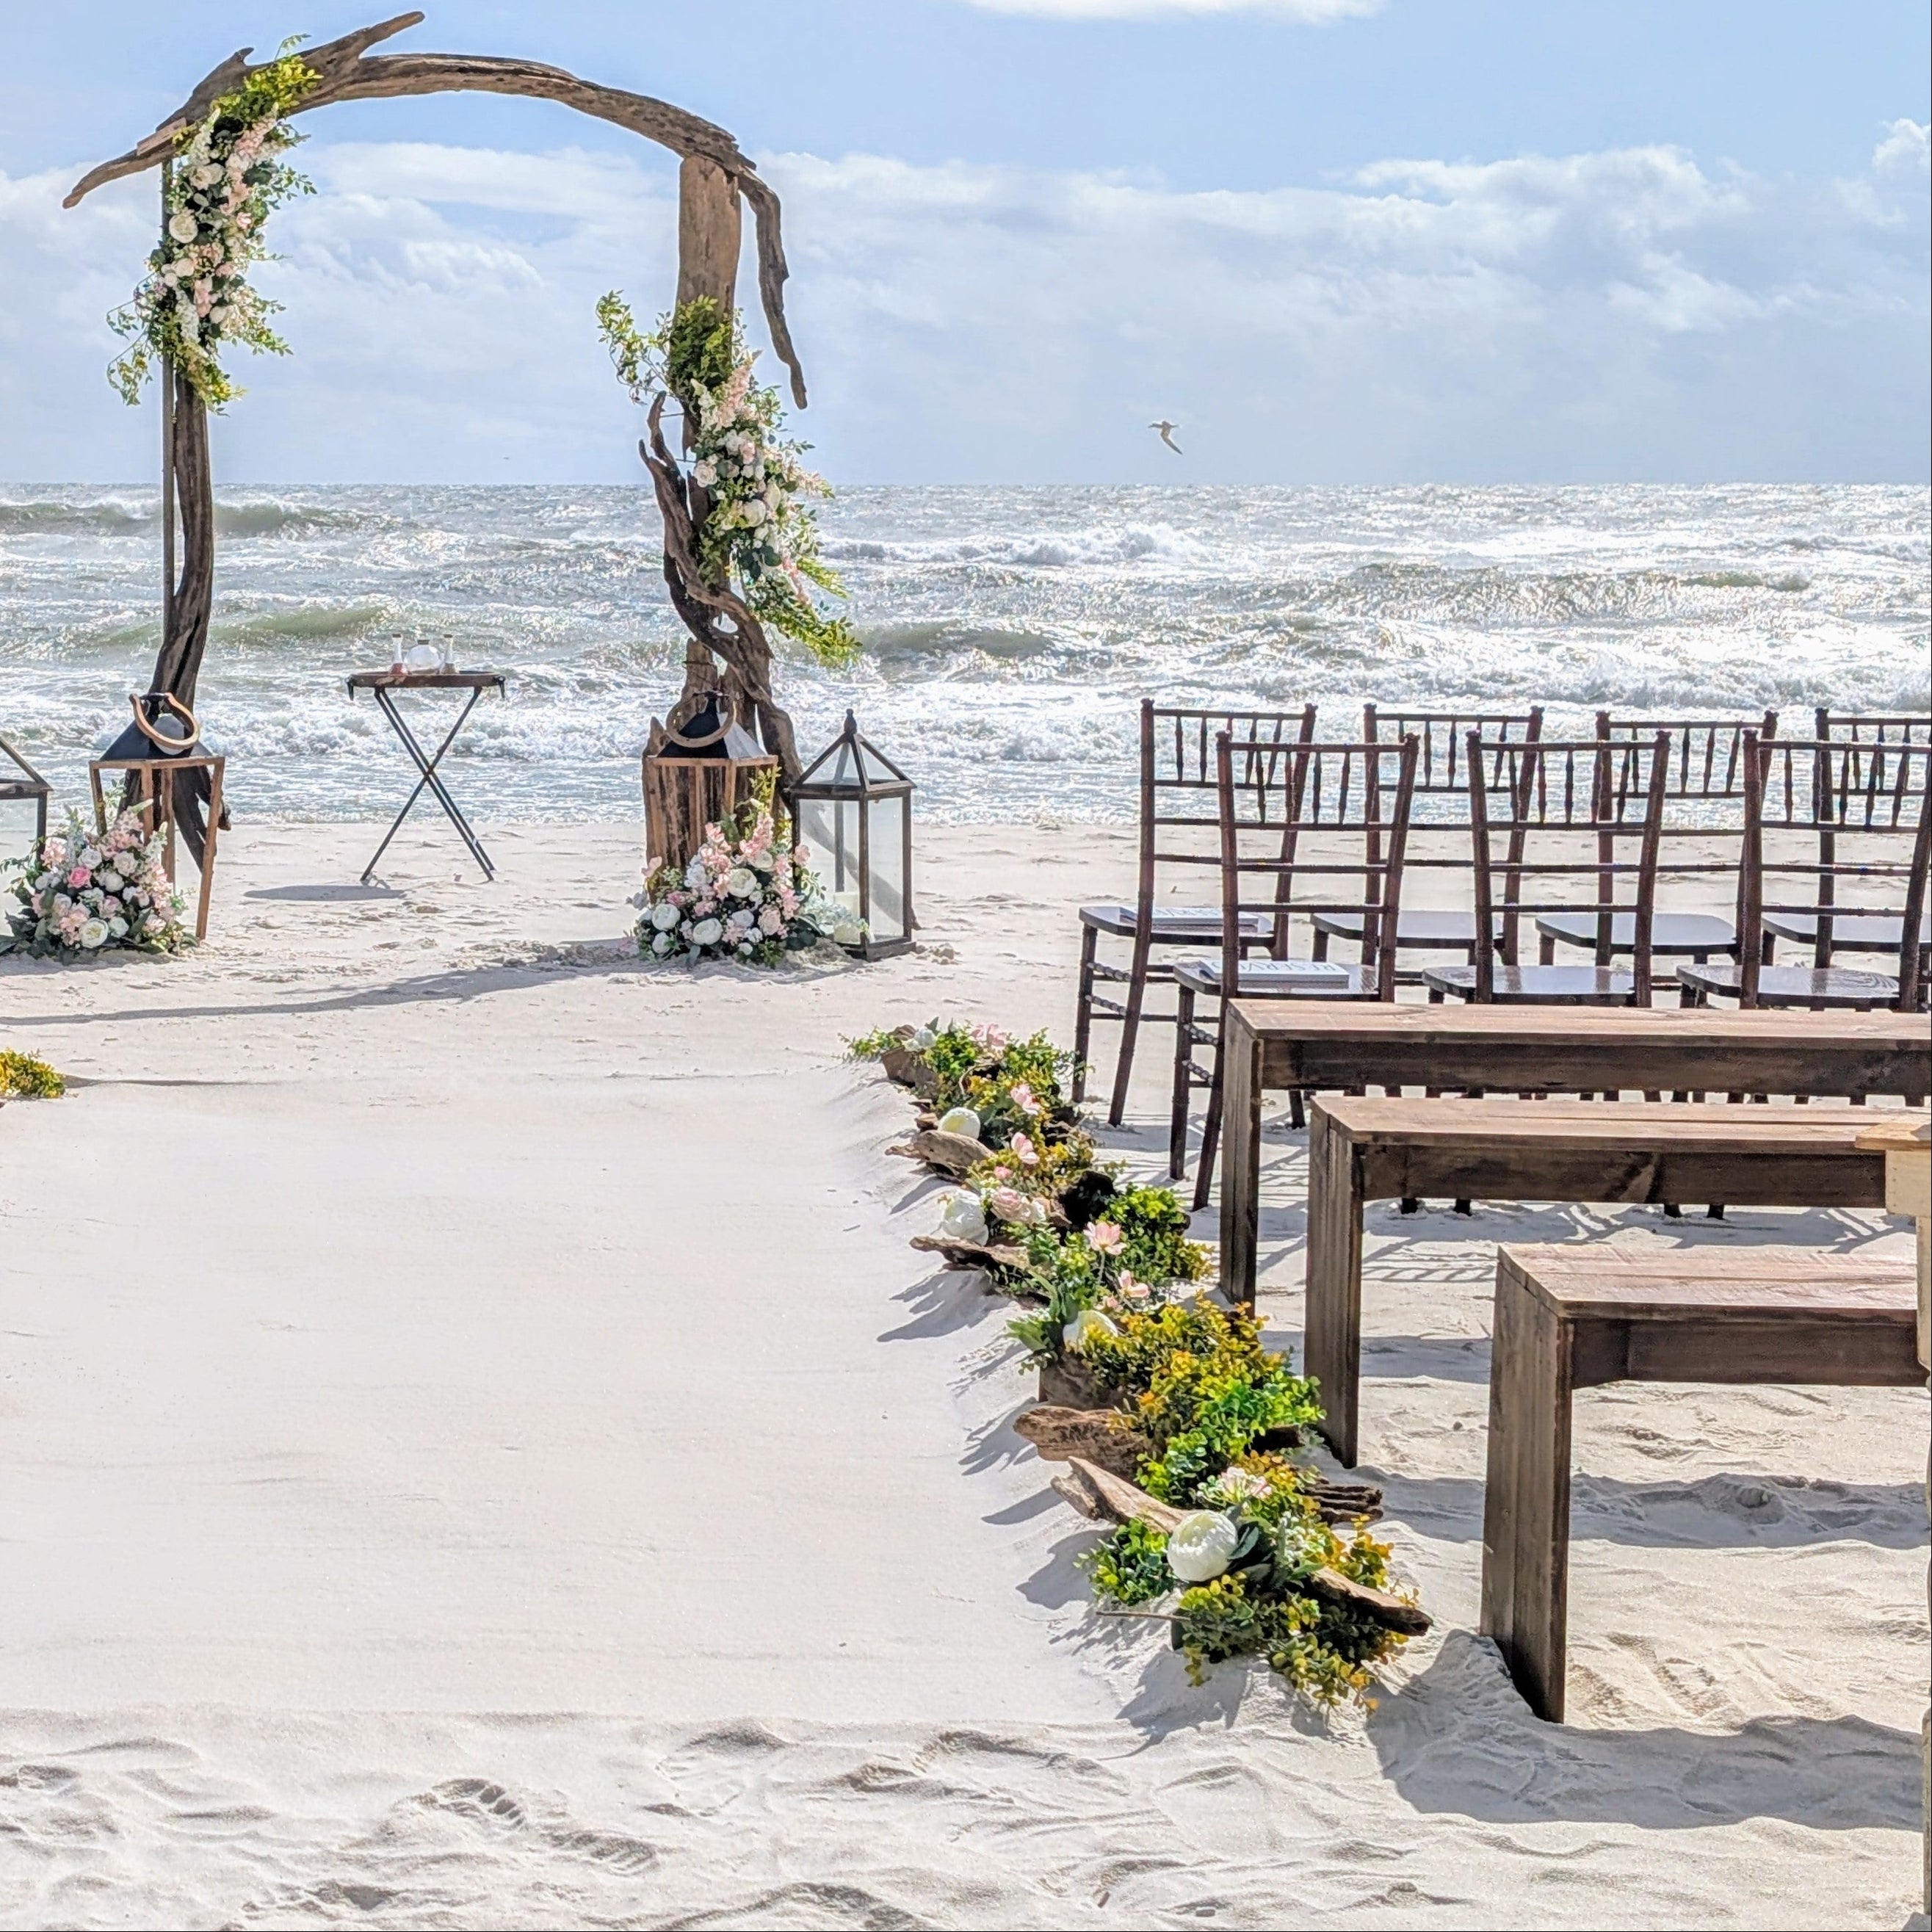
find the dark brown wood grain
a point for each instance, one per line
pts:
(1364, 1150)
(1572, 1317)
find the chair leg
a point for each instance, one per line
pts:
(1332, 1348)
(1083, 1012)
(1130, 1027)
(1211, 1138)
(1526, 1501)
(1177, 1124)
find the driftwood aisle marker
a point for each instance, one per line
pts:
(1097, 1493)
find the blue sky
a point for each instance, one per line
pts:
(1337, 240)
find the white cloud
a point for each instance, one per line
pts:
(1907, 146)
(1317, 13)
(1603, 315)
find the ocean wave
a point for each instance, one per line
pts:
(112, 517)
(1133, 543)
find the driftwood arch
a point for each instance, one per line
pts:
(715, 178)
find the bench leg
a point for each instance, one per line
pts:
(1332, 1319)
(1083, 1013)
(1526, 1505)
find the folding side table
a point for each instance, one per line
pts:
(384, 684)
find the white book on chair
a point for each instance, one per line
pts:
(1295, 972)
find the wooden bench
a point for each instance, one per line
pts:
(1360, 1151)
(1578, 1316)
(1315, 1047)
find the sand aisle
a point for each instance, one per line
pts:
(477, 1449)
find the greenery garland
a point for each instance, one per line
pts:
(759, 534)
(226, 181)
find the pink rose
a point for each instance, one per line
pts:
(1007, 1204)
(1104, 1237)
(79, 877)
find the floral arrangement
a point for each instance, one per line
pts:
(746, 894)
(758, 530)
(226, 180)
(86, 892)
(1231, 1542)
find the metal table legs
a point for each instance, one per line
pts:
(427, 767)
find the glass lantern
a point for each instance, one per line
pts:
(854, 810)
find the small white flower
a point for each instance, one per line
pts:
(182, 226)
(94, 934)
(664, 917)
(921, 1040)
(741, 882)
(118, 928)
(660, 945)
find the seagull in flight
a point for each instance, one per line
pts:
(1167, 429)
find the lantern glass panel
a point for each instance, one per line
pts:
(887, 855)
(828, 828)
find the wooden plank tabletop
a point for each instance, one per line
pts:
(1637, 1123)
(425, 680)
(1667, 1026)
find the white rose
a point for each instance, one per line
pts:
(921, 1040)
(763, 862)
(207, 175)
(112, 879)
(1200, 1545)
(664, 917)
(1089, 1326)
(660, 945)
(94, 934)
(962, 1121)
(704, 474)
(746, 948)
(772, 920)
(707, 932)
(181, 227)
(91, 856)
(694, 875)
(753, 511)
(118, 928)
(962, 1218)
(741, 882)
(848, 931)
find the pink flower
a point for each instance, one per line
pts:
(1008, 1204)
(79, 877)
(1133, 1289)
(1024, 1150)
(989, 1039)
(1104, 1237)
(1023, 1099)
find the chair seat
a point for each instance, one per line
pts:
(1851, 932)
(1675, 933)
(1279, 980)
(1795, 985)
(1173, 925)
(1539, 986)
(1419, 931)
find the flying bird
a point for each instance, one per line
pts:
(1167, 429)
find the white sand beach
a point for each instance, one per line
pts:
(481, 1451)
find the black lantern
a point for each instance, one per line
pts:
(853, 808)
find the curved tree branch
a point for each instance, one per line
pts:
(347, 71)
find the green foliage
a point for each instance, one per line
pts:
(875, 1046)
(24, 1077)
(1130, 1566)
(1154, 1227)
(1065, 1273)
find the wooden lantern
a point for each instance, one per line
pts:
(854, 810)
(696, 774)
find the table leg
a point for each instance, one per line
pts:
(1332, 1319)
(427, 767)
(1241, 1163)
(1526, 1499)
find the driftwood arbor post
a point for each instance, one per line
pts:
(716, 179)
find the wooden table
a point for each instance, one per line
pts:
(1302, 1045)
(1361, 1150)
(1577, 1316)
(1906, 1147)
